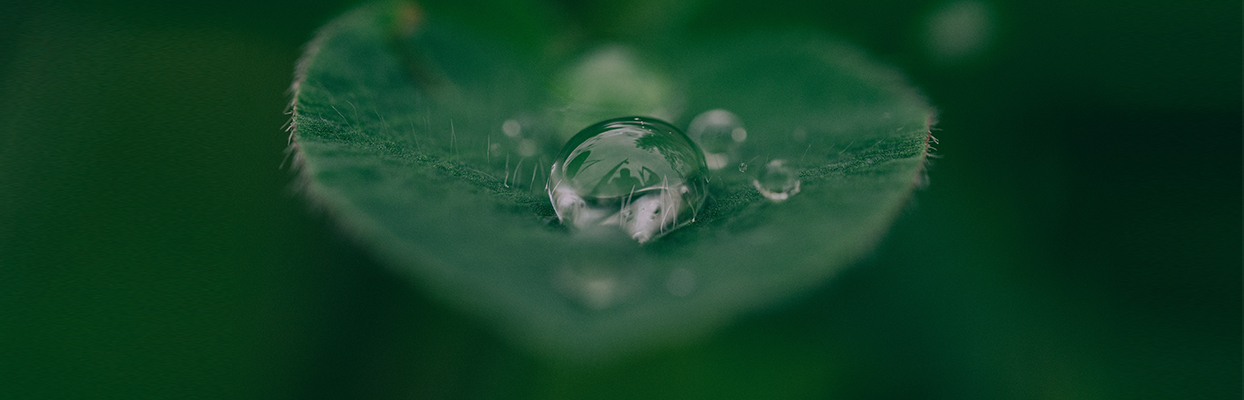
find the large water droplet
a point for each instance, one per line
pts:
(639, 174)
(777, 181)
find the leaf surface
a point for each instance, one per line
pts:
(432, 143)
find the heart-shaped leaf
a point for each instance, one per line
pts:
(433, 142)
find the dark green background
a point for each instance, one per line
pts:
(1081, 237)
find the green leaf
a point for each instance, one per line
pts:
(432, 143)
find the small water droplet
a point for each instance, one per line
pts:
(526, 148)
(959, 31)
(613, 275)
(738, 134)
(799, 135)
(777, 181)
(597, 289)
(512, 128)
(719, 133)
(639, 174)
(743, 167)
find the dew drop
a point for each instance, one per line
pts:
(719, 133)
(799, 135)
(777, 181)
(594, 288)
(512, 128)
(958, 31)
(526, 147)
(641, 175)
(738, 134)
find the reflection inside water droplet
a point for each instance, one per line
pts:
(777, 181)
(719, 133)
(639, 174)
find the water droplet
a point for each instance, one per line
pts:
(512, 128)
(777, 181)
(639, 174)
(595, 288)
(526, 147)
(738, 134)
(959, 31)
(799, 135)
(613, 275)
(719, 133)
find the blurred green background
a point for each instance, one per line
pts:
(1080, 239)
